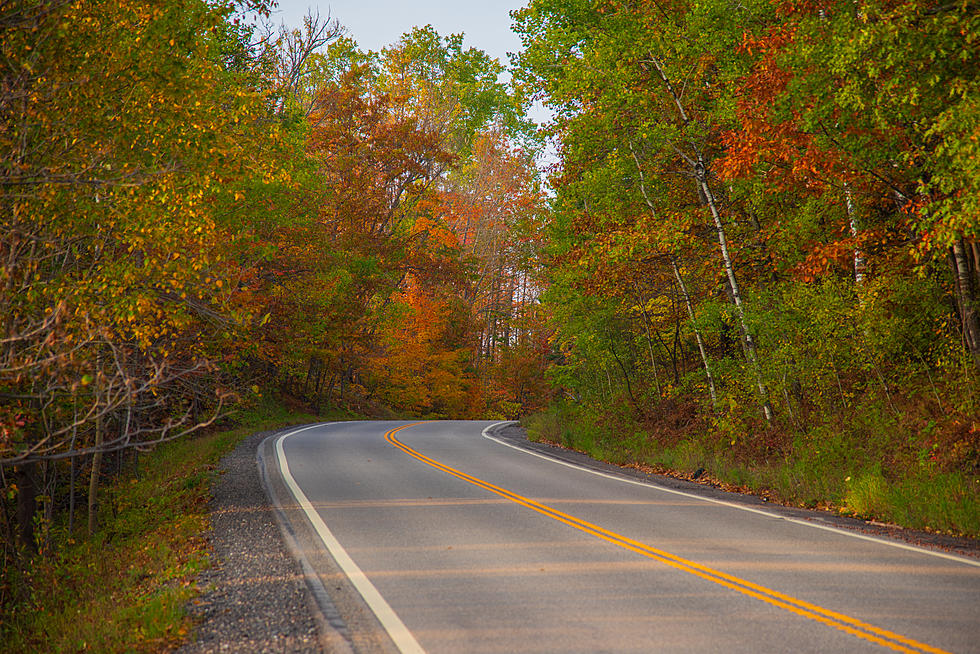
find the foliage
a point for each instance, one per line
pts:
(197, 210)
(195, 206)
(762, 215)
(124, 181)
(129, 585)
(759, 253)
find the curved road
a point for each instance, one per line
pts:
(445, 539)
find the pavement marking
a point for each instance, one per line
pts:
(392, 624)
(805, 609)
(740, 507)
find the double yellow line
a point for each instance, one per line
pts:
(845, 623)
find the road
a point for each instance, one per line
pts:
(444, 539)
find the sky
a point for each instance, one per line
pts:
(377, 23)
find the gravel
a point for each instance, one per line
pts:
(254, 597)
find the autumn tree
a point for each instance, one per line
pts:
(756, 189)
(636, 107)
(124, 141)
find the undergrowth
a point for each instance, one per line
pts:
(125, 589)
(877, 465)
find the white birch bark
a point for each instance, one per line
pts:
(683, 287)
(859, 262)
(750, 348)
(969, 319)
(700, 173)
(697, 333)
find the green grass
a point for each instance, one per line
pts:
(832, 469)
(125, 590)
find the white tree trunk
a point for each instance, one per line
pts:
(697, 333)
(750, 349)
(700, 173)
(969, 318)
(683, 287)
(859, 262)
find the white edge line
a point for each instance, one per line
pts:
(390, 621)
(648, 484)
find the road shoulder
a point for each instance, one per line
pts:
(254, 596)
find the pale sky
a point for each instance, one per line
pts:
(377, 23)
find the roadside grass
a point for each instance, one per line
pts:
(833, 470)
(125, 589)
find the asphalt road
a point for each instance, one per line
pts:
(443, 539)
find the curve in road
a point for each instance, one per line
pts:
(327, 459)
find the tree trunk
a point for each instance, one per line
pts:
(701, 175)
(683, 287)
(697, 333)
(26, 504)
(966, 295)
(309, 374)
(626, 376)
(653, 360)
(72, 476)
(93, 482)
(671, 353)
(859, 262)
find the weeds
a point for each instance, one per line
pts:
(125, 589)
(877, 466)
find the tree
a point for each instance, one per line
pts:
(637, 106)
(121, 183)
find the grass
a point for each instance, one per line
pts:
(125, 589)
(834, 469)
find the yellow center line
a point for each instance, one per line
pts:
(839, 621)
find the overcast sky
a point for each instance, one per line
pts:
(377, 23)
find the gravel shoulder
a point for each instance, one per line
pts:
(254, 596)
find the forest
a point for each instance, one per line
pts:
(761, 260)
(754, 261)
